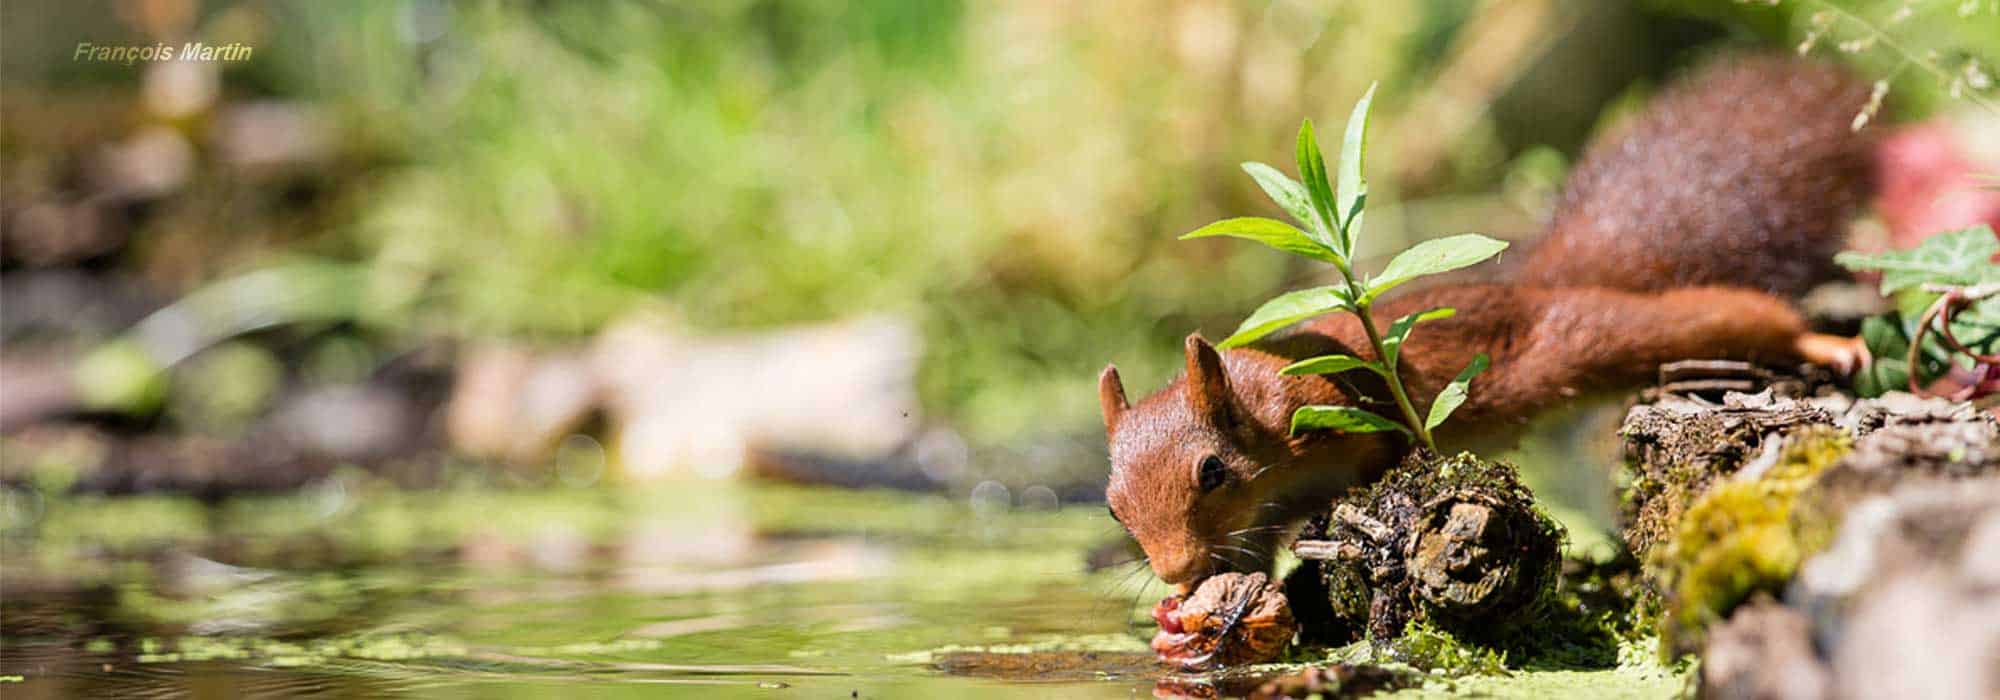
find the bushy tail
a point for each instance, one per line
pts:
(1745, 174)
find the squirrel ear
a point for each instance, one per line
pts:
(1207, 386)
(1111, 395)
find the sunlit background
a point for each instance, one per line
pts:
(443, 279)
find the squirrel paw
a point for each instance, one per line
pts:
(1845, 355)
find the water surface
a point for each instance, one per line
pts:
(355, 590)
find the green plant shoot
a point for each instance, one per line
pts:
(1330, 215)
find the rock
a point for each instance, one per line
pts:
(354, 423)
(791, 400)
(54, 233)
(480, 418)
(1906, 601)
(1922, 635)
(270, 137)
(1764, 652)
(39, 386)
(513, 404)
(64, 307)
(152, 163)
(695, 404)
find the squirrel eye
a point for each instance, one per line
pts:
(1212, 474)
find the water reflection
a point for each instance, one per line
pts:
(739, 591)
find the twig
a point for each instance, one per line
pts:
(1951, 299)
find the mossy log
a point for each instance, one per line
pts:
(1829, 510)
(1458, 542)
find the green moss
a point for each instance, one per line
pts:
(1426, 647)
(1739, 538)
(1100, 643)
(1615, 683)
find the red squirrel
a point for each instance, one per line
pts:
(1684, 234)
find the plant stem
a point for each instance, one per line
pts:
(1361, 310)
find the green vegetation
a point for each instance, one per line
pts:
(1944, 316)
(1428, 648)
(533, 171)
(1332, 218)
(750, 165)
(1000, 174)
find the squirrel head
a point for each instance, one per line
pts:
(1191, 470)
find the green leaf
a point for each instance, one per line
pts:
(1454, 393)
(1888, 343)
(1287, 309)
(1290, 195)
(1345, 419)
(1330, 364)
(1312, 173)
(1435, 256)
(1353, 185)
(1392, 341)
(1884, 338)
(1962, 257)
(1270, 232)
(1910, 306)
(1351, 227)
(1883, 376)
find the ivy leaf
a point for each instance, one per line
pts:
(1392, 341)
(1353, 186)
(1887, 338)
(1888, 345)
(1454, 393)
(1312, 172)
(1346, 419)
(1287, 309)
(1330, 364)
(1434, 256)
(1883, 376)
(1289, 194)
(1884, 338)
(1962, 257)
(1270, 232)
(1977, 325)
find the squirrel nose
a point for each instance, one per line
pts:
(1183, 570)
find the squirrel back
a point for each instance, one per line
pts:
(1745, 174)
(1680, 235)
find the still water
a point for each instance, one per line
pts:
(703, 590)
(699, 589)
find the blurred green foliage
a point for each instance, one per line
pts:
(1005, 175)
(1009, 176)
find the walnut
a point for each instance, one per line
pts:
(1232, 619)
